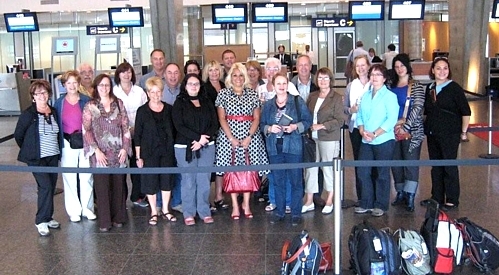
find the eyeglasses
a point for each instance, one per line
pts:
(193, 84)
(44, 93)
(323, 78)
(104, 85)
(377, 75)
(274, 69)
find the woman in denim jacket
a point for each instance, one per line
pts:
(284, 144)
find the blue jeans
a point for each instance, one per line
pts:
(281, 179)
(375, 193)
(272, 190)
(176, 193)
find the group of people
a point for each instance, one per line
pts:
(227, 114)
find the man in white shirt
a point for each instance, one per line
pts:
(313, 60)
(388, 56)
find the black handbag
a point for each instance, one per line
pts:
(308, 144)
(76, 140)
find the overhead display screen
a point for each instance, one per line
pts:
(21, 22)
(269, 12)
(366, 10)
(229, 13)
(406, 10)
(126, 17)
(495, 9)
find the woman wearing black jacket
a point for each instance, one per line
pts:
(154, 147)
(37, 135)
(196, 123)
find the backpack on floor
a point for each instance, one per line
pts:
(373, 251)
(414, 252)
(481, 247)
(443, 239)
(301, 255)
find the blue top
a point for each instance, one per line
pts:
(380, 111)
(441, 86)
(401, 93)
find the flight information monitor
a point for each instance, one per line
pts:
(126, 17)
(229, 13)
(495, 9)
(269, 12)
(366, 10)
(21, 22)
(406, 10)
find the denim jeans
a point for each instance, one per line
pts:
(375, 193)
(281, 179)
(272, 190)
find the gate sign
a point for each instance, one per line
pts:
(332, 22)
(105, 30)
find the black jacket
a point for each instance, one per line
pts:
(286, 60)
(210, 91)
(27, 136)
(146, 132)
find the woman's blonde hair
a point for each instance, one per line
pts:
(208, 66)
(242, 69)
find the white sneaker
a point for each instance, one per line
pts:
(89, 214)
(75, 218)
(43, 229)
(308, 208)
(53, 224)
(327, 209)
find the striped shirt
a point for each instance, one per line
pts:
(48, 131)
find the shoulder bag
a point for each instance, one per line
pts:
(241, 181)
(400, 123)
(308, 144)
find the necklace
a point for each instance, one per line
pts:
(281, 102)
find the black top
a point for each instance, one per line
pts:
(27, 136)
(154, 132)
(210, 91)
(376, 59)
(444, 116)
(191, 122)
(285, 60)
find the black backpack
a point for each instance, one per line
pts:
(481, 247)
(301, 256)
(373, 251)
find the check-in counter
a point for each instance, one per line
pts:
(420, 71)
(14, 93)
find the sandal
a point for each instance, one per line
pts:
(189, 221)
(270, 207)
(153, 220)
(168, 216)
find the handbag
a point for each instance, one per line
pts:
(308, 144)
(241, 181)
(400, 122)
(76, 140)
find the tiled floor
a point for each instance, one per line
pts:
(225, 247)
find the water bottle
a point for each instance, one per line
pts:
(413, 256)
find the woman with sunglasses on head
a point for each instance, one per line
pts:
(447, 118)
(376, 120)
(196, 124)
(408, 131)
(107, 142)
(78, 187)
(37, 135)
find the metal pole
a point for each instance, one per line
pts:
(489, 154)
(337, 167)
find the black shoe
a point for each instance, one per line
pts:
(221, 205)
(425, 202)
(276, 219)
(295, 221)
(410, 202)
(399, 199)
(448, 207)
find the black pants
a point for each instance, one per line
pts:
(111, 199)
(356, 140)
(46, 187)
(444, 179)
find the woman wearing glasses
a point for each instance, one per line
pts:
(409, 130)
(376, 119)
(196, 123)
(107, 142)
(326, 105)
(254, 74)
(37, 134)
(447, 118)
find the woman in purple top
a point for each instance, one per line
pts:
(107, 142)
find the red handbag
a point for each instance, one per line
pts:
(241, 181)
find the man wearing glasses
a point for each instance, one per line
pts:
(266, 91)
(87, 77)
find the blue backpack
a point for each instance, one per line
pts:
(301, 256)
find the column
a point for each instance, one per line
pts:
(167, 28)
(195, 27)
(468, 28)
(412, 33)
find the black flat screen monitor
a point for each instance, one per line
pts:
(406, 10)
(366, 10)
(126, 17)
(229, 13)
(21, 22)
(269, 12)
(495, 9)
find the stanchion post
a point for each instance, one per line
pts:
(490, 92)
(337, 167)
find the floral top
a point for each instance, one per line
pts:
(107, 131)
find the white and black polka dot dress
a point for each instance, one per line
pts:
(239, 106)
